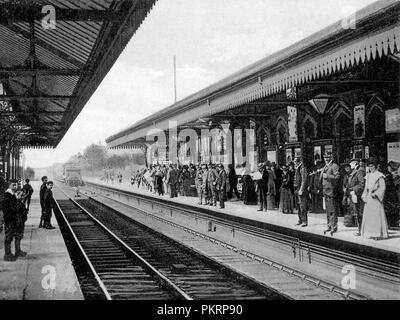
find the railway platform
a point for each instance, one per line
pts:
(275, 220)
(46, 273)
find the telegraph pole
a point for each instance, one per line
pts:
(175, 95)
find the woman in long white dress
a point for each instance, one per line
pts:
(374, 224)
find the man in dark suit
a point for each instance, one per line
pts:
(221, 184)
(330, 178)
(48, 205)
(172, 180)
(301, 191)
(212, 184)
(42, 191)
(262, 187)
(355, 188)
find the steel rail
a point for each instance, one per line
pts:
(92, 269)
(172, 286)
(365, 262)
(327, 253)
(300, 274)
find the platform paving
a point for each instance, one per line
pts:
(316, 222)
(47, 272)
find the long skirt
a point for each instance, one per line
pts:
(286, 204)
(374, 224)
(271, 202)
(249, 192)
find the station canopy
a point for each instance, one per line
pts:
(53, 56)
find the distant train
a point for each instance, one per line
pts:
(72, 175)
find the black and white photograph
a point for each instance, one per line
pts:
(200, 158)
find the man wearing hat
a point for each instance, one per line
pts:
(204, 184)
(354, 190)
(301, 190)
(212, 184)
(198, 181)
(261, 180)
(221, 185)
(330, 178)
(172, 180)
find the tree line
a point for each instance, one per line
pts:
(97, 157)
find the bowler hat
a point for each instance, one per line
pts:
(394, 165)
(346, 163)
(373, 161)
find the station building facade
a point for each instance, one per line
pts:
(335, 91)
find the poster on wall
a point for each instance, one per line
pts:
(292, 123)
(367, 152)
(359, 122)
(358, 151)
(392, 120)
(289, 155)
(317, 154)
(393, 149)
(271, 156)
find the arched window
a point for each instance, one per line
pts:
(281, 132)
(309, 129)
(375, 122)
(343, 126)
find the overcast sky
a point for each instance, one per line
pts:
(211, 39)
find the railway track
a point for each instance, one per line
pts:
(131, 261)
(376, 270)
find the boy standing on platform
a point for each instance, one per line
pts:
(48, 204)
(42, 191)
(14, 221)
(28, 191)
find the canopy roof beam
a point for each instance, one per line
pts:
(22, 98)
(22, 72)
(14, 12)
(16, 113)
(44, 45)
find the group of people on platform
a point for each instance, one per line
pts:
(15, 201)
(365, 192)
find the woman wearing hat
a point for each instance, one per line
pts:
(249, 193)
(374, 224)
(391, 201)
(286, 203)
